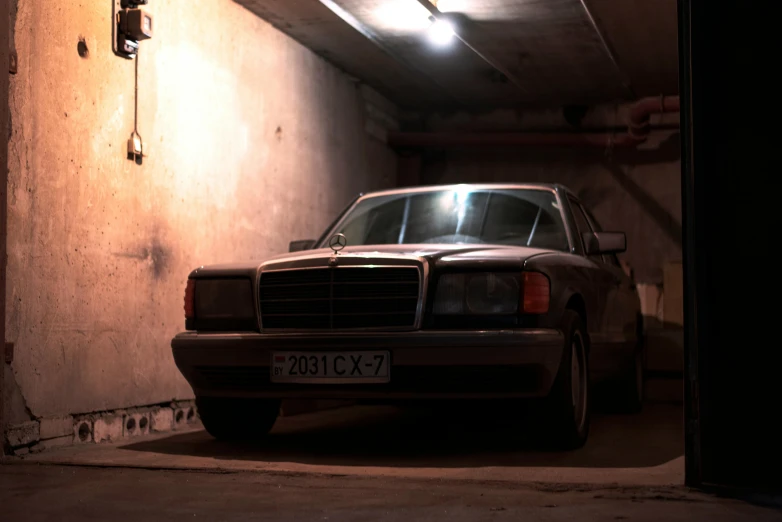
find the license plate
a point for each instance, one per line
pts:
(331, 367)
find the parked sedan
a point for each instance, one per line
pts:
(447, 292)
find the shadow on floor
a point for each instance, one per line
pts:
(425, 438)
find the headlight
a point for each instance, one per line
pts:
(224, 299)
(486, 293)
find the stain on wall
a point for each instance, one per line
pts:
(250, 139)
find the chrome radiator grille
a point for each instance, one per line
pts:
(340, 298)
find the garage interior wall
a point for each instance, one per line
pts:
(251, 141)
(4, 73)
(637, 192)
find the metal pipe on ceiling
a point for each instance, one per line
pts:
(639, 127)
(497, 139)
(642, 110)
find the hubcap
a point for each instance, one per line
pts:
(578, 380)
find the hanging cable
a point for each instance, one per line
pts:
(135, 143)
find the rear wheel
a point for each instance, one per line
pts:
(628, 394)
(232, 419)
(566, 411)
(625, 394)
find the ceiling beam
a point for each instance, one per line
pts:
(608, 50)
(468, 34)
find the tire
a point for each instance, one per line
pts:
(624, 394)
(628, 393)
(229, 419)
(567, 410)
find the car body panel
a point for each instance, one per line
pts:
(599, 290)
(208, 360)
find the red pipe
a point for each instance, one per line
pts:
(496, 139)
(642, 110)
(638, 130)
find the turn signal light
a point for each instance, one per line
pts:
(536, 291)
(190, 299)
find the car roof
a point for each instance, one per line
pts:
(473, 186)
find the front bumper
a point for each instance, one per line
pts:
(424, 364)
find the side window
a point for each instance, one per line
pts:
(581, 221)
(582, 224)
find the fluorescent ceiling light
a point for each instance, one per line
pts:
(441, 32)
(402, 15)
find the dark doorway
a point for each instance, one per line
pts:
(732, 392)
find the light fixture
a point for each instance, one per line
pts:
(403, 16)
(441, 32)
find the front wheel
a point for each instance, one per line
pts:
(232, 419)
(566, 411)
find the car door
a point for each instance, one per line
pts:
(602, 356)
(627, 304)
(622, 303)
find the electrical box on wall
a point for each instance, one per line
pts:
(135, 23)
(130, 25)
(126, 46)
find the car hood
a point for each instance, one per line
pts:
(438, 256)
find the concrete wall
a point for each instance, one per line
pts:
(4, 48)
(637, 191)
(252, 141)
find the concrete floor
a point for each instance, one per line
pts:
(372, 463)
(469, 444)
(36, 493)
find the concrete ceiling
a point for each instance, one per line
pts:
(515, 53)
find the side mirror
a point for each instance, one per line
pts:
(604, 242)
(301, 244)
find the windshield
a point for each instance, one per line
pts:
(461, 215)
